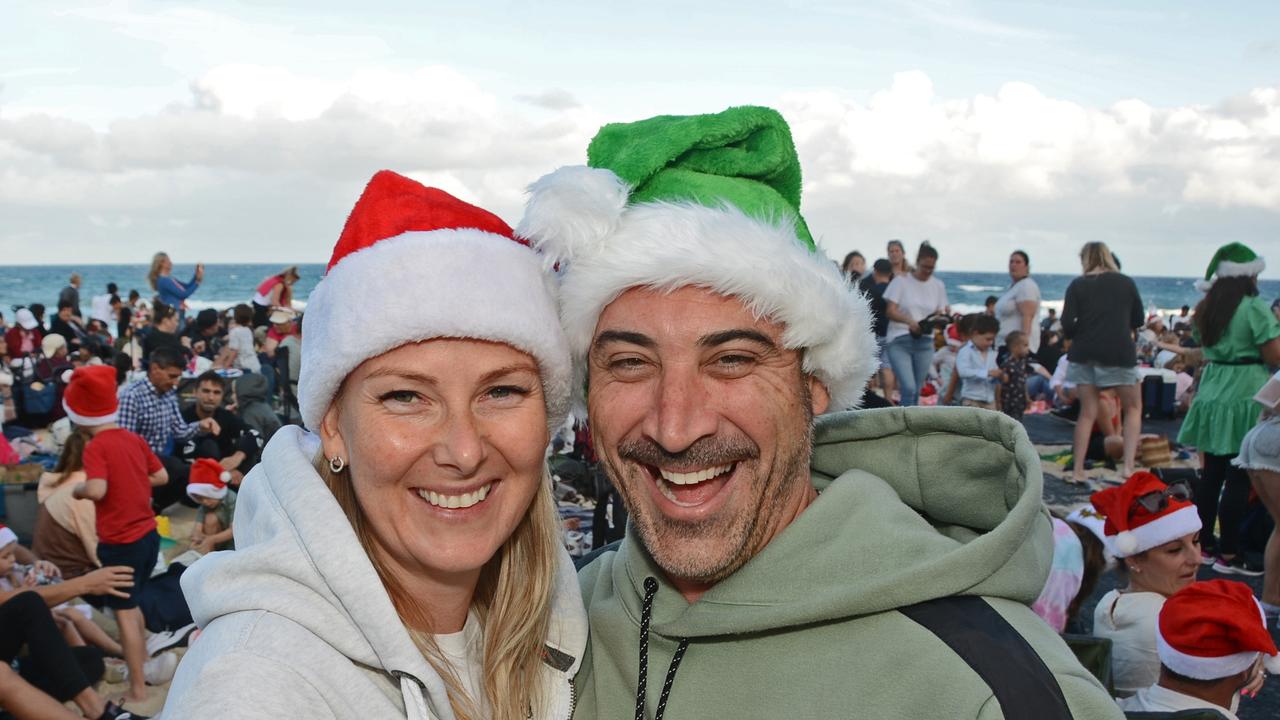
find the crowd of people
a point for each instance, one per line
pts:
(402, 555)
(125, 446)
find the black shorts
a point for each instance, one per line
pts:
(140, 555)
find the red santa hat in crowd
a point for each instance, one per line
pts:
(90, 398)
(1214, 629)
(415, 263)
(1131, 527)
(208, 479)
(7, 536)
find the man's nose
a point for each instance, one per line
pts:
(680, 414)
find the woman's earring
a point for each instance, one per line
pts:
(336, 464)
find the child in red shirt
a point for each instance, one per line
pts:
(121, 469)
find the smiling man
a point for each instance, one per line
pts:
(778, 563)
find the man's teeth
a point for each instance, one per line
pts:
(693, 478)
(464, 500)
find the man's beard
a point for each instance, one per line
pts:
(730, 541)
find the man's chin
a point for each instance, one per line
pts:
(703, 553)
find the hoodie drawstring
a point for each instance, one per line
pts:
(415, 705)
(646, 614)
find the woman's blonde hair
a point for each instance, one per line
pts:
(157, 262)
(1096, 256)
(512, 601)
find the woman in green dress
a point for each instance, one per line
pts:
(1241, 337)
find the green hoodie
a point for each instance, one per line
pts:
(915, 504)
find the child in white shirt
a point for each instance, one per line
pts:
(976, 365)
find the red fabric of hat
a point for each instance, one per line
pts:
(1131, 528)
(393, 204)
(90, 398)
(1213, 629)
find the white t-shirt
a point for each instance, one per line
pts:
(1129, 619)
(917, 299)
(463, 651)
(100, 309)
(1161, 699)
(1010, 316)
(240, 339)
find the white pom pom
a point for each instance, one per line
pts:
(66, 376)
(1204, 285)
(1127, 543)
(1271, 663)
(225, 476)
(570, 211)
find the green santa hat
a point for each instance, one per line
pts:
(1232, 260)
(705, 200)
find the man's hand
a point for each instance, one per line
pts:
(109, 581)
(210, 426)
(995, 373)
(48, 569)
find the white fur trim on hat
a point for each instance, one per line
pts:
(1227, 268)
(666, 246)
(7, 536)
(85, 420)
(216, 492)
(1163, 529)
(571, 210)
(1202, 668)
(417, 286)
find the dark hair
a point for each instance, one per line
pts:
(1053, 311)
(991, 300)
(212, 376)
(161, 311)
(1188, 307)
(125, 322)
(884, 267)
(1215, 310)
(112, 288)
(964, 326)
(844, 266)
(72, 457)
(134, 295)
(65, 305)
(1095, 561)
(1179, 677)
(983, 324)
(243, 315)
(36, 309)
(1025, 258)
(123, 363)
(926, 250)
(1015, 337)
(167, 357)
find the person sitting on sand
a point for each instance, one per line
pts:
(208, 487)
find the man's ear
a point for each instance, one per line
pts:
(819, 396)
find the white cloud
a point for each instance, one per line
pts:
(263, 162)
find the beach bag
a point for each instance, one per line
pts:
(1153, 452)
(38, 391)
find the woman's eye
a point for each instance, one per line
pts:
(400, 396)
(502, 392)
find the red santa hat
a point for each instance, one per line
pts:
(90, 398)
(208, 479)
(1131, 528)
(7, 536)
(1214, 629)
(415, 263)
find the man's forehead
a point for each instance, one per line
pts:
(686, 313)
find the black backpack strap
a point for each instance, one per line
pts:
(1006, 662)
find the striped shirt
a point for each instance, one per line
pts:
(155, 417)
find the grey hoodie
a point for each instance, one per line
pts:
(254, 408)
(296, 623)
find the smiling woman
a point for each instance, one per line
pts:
(405, 560)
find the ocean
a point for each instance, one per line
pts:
(228, 284)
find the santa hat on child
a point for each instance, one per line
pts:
(7, 536)
(208, 479)
(704, 200)
(1231, 260)
(415, 263)
(1130, 528)
(1214, 629)
(90, 398)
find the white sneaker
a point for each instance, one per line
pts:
(161, 641)
(160, 669)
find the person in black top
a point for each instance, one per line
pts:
(206, 334)
(66, 324)
(237, 447)
(163, 332)
(1101, 310)
(873, 285)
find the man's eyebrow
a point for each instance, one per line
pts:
(623, 336)
(724, 336)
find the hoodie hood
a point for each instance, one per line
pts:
(251, 387)
(914, 504)
(298, 557)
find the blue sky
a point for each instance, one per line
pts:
(250, 127)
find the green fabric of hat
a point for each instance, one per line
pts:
(1232, 260)
(743, 156)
